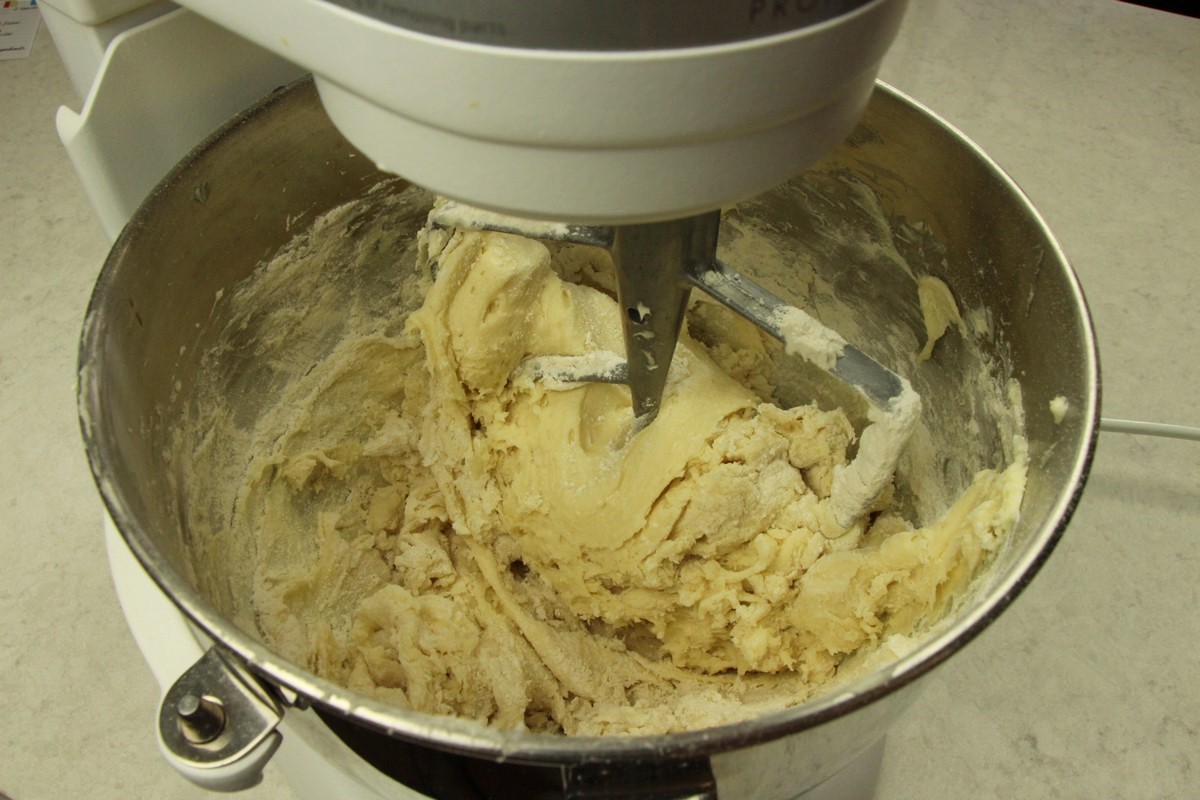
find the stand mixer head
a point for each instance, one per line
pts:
(595, 112)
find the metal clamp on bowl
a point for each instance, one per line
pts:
(217, 724)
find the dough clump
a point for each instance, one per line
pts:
(441, 528)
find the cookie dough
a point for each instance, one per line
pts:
(441, 528)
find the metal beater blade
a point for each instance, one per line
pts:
(654, 262)
(657, 265)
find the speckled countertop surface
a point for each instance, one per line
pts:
(1089, 686)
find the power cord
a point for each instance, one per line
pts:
(1150, 429)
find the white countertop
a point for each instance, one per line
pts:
(1089, 686)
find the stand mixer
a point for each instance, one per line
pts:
(635, 129)
(205, 229)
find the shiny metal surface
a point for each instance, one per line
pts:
(201, 718)
(235, 201)
(219, 723)
(607, 25)
(653, 261)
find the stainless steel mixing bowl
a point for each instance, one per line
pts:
(905, 196)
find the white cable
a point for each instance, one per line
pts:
(1150, 429)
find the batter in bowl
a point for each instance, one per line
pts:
(438, 527)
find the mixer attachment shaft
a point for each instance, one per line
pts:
(657, 265)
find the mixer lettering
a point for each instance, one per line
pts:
(762, 10)
(418, 17)
(481, 28)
